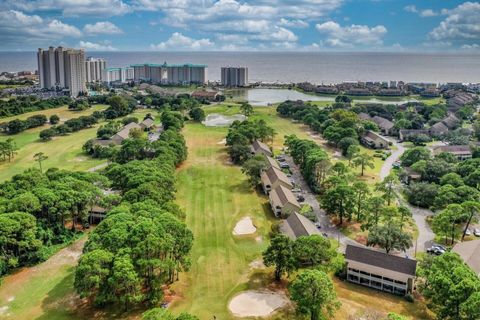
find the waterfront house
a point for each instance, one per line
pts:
(283, 201)
(381, 271)
(205, 95)
(385, 125)
(297, 225)
(258, 147)
(462, 152)
(375, 141)
(470, 253)
(274, 177)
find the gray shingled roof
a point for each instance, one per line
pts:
(259, 145)
(300, 225)
(383, 123)
(380, 259)
(470, 253)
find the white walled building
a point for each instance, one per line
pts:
(234, 76)
(62, 68)
(94, 68)
(117, 75)
(171, 73)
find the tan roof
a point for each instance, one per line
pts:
(258, 145)
(281, 196)
(364, 116)
(383, 123)
(470, 253)
(371, 135)
(272, 174)
(296, 225)
(272, 162)
(204, 94)
(461, 149)
(439, 127)
(147, 123)
(125, 131)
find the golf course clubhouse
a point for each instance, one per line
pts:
(379, 270)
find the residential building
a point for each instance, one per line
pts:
(271, 162)
(117, 75)
(283, 202)
(375, 141)
(405, 134)
(438, 129)
(385, 125)
(296, 225)
(62, 68)
(258, 147)
(378, 270)
(234, 76)
(470, 253)
(147, 123)
(272, 178)
(410, 176)
(364, 116)
(94, 69)
(124, 133)
(205, 95)
(462, 152)
(170, 73)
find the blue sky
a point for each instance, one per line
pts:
(235, 25)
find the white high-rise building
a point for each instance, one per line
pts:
(94, 68)
(117, 75)
(171, 73)
(62, 68)
(234, 76)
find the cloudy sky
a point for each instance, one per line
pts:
(245, 25)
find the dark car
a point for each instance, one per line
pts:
(300, 198)
(284, 166)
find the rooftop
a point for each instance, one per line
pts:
(380, 259)
(297, 225)
(281, 196)
(470, 253)
(165, 65)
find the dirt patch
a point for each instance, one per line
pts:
(259, 239)
(244, 226)
(257, 264)
(257, 303)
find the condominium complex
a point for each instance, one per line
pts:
(62, 68)
(234, 76)
(93, 69)
(117, 75)
(171, 73)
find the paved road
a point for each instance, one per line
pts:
(311, 199)
(388, 164)
(99, 167)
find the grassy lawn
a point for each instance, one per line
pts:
(215, 195)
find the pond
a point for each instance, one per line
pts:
(220, 120)
(265, 97)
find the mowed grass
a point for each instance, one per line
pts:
(216, 195)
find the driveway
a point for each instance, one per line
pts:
(395, 156)
(310, 198)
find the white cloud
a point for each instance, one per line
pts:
(462, 22)
(105, 46)
(19, 28)
(178, 41)
(71, 7)
(351, 36)
(472, 47)
(424, 13)
(294, 23)
(102, 27)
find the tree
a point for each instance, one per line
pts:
(352, 152)
(450, 286)
(54, 119)
(246, 109)
(413, 155)
(363, 160)
(472, 208)
(362, 191)
(389, 237)
(312, 250)
(445, 222)
(422, 194)
(280, 254)
(163, 314)
(387, 187)
(47, 134)
(453, 179)
(253, 168)
(40, 157)
(197, 114)
(124, 281)
(347, 143)
(339, 200)
(314, 294)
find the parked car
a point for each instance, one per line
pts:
(318, 225)
(476, 232)
(296, 190)
(280, 157)
(300, 198)
(396, 165)
(468, 232)
(437, 249)
(284, 166)
(292, 181)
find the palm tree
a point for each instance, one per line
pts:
(39, 157)
(363, 160)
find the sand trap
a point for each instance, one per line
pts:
(223, 142)
(257, 303)
(219, 120)
(244, 226)
(257, 264)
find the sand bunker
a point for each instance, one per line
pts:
(220, 120)
(244, 226)
(257, 303)
(257, 264)
(222, 142)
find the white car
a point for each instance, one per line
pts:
(468, 232)
(476, 232)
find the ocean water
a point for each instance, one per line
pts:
(318, 67)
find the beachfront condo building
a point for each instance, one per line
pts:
(62, 68)
(170, 73)
(94, 68)
(234, 76)
(117, 75)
